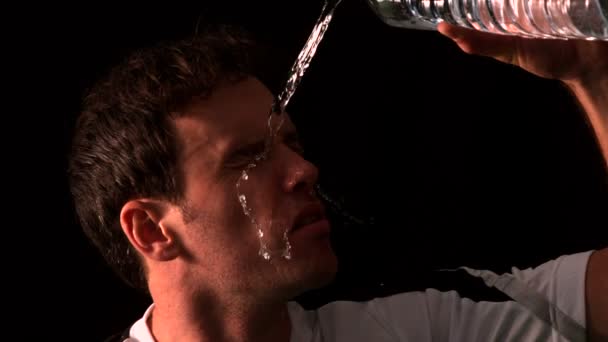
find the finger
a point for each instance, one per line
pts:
(500, 47)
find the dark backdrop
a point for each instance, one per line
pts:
(445, 158)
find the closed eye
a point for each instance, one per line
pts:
(245, 154)
(249, 152)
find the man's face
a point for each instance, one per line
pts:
(219, 138)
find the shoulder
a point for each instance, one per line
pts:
(541, 301)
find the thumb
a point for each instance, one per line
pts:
(500, 47)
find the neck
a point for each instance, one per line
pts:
(181, 314)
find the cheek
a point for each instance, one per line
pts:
(260, 190)
(233, 227)
(213, 213)
(220, 235)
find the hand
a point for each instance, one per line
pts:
(571, 61)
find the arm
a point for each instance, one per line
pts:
(583, 67)
(593, 97)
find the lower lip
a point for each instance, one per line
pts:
(315, 229)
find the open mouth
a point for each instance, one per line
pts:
(310, 215)
(307, 220)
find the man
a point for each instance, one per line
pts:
(159, 149)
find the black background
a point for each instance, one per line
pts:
(457, 159)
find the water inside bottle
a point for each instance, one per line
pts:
(578, 19)
(268, 248)
(583, 19)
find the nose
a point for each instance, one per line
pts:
(301, 175)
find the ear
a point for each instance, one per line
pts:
(141, 222)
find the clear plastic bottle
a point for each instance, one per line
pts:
(579, 19)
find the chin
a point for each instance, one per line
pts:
(318, 270)
(323, 278)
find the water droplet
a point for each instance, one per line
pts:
(287, 250)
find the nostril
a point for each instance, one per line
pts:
(300, 187)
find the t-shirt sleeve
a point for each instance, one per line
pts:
(545, 303)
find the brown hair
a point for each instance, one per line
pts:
(124, 145)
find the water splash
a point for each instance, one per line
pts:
(339, 208)
(305, 57)
(275, 121)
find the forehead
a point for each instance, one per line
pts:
(234, 113)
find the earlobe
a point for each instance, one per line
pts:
(140, 221)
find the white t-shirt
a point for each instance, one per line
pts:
(547, 303)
